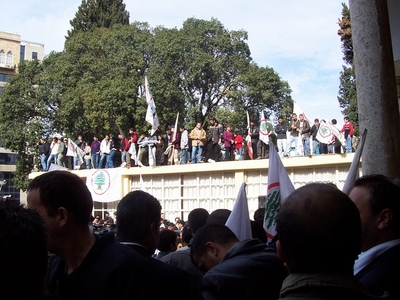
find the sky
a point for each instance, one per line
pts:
(297, 38)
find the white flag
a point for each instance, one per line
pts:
(264, 130)
(355, 165)
(279, 188)
(104, 184)
(74, 150)
(175, 128)
(151, 114)
(142, 187)
(324, 134)
(239, 220)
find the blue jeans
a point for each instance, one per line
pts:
(110, 159)
(196, 154)
(316, 147)
(52, 157)
(123, 156)
(306, 145)
(348, 148)
(184, 156)
(289, 143)
(43, 161)
(239, 152)
(95, 160)
(103, 161)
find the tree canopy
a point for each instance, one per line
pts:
(96, 85)
(97, 14)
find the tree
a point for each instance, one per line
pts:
(347, 90)
(209, 69)
(28, 105)
(98, 13)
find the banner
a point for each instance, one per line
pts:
(239, 220)
(104, 184)
(279, 188)
(151, 114)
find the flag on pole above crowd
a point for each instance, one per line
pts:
(298, 111)
(151, 114)
(264, 128)
(279, 188)
(248, 138)
(355, 165)
(239, 220)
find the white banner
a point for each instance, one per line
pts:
(104, 184)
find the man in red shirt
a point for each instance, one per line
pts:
(348, 130)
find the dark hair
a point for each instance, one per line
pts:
(334, 121)
(186, 234)
(215, 233)
(23, 251)
(383, 193)
(311, 222)
(135, 214)
(259, 215)
(197, 218)
(64, 189)
(316, 120)
(166, 239)
(218, 216)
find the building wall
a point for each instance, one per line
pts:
(211, 186)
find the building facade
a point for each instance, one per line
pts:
(13, 50)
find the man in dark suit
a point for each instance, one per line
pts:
(377, 268)
(138, 228)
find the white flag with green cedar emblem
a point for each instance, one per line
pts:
(279, 188)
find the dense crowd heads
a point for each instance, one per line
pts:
(182, 146)
(328, 245)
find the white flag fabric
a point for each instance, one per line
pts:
(279, 188)
(248, 139)
(324, 134)
(175, 128)
(264, 130)
(355, 165)
(142, 187)
(151, 114)
(104, 184)
(239, 220)
(297, 110)
(74, 150)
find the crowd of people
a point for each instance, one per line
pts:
(328, 245)
(197, 146)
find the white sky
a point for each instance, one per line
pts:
(297, 38)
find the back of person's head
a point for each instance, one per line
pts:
(334, 122)
(312, 224)
(23, 252)
(258, 232)
(383, 194)
(218, 216)
(167, 240)
(197, 218)
(137, 213)
(186, 234)
(259, 215)
(64, 189)
(214, 233)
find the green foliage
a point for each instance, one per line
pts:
(347, 90)
(93, 14)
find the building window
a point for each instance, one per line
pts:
(22, 53)
(9, 58)
(2, 57)
(34, 55)
(4, 77)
